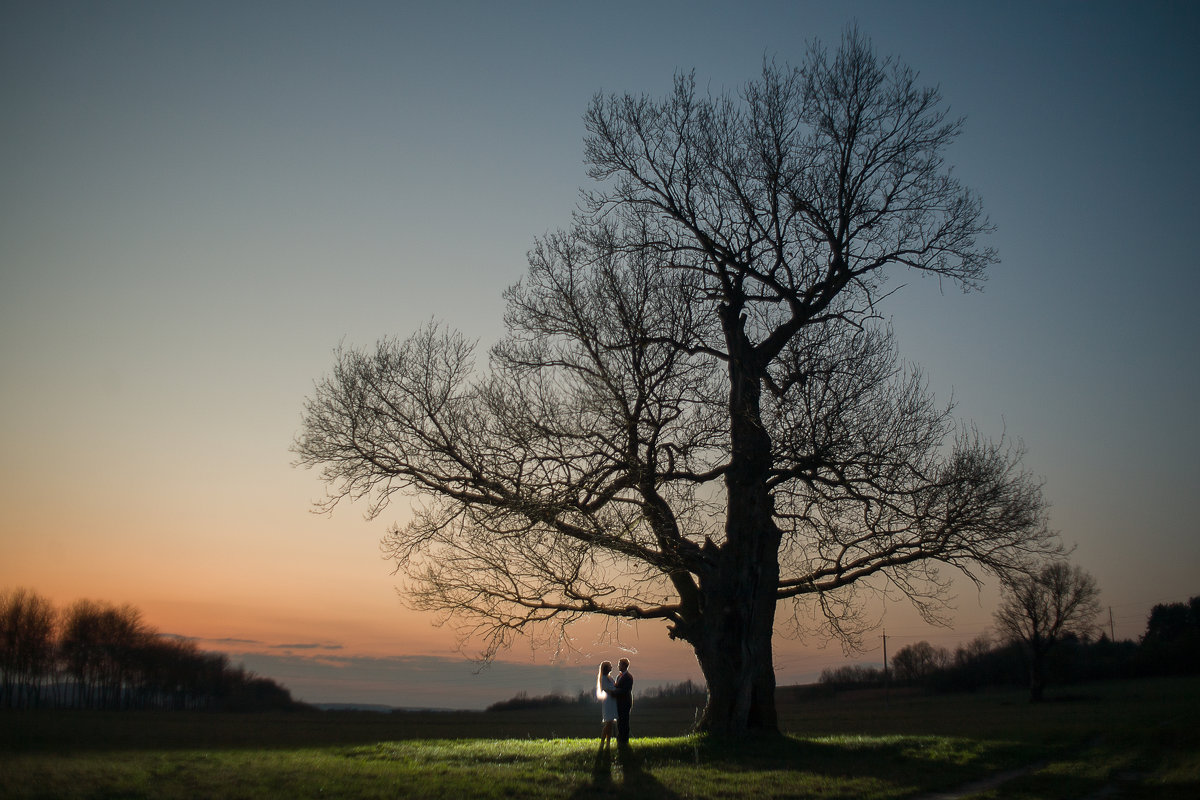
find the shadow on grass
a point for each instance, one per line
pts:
(858, 764)
(632, 783)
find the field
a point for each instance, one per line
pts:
(1131, 739)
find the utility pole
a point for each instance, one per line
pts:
(886, 688)
(1112, 632)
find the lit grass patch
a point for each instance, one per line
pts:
(687, 766)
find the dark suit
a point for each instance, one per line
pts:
(624, 697)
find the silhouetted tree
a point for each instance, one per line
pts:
(98, 646)
(916, 663)
(26, 646)
(693, 416)
(80, 650)
(124, 635)
(1041, 609)
(1171, 643)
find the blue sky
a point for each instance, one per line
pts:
(199, 201)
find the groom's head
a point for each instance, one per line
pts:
(623, 664)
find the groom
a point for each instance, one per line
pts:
(624, 697)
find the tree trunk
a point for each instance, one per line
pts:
(734, 652)
(733, 645)
(737, 614)
(1037, 677)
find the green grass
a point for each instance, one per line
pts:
(866, 767)
(1138, 736)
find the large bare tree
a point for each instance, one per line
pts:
(695, 415)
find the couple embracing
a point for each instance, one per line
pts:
(616, 698)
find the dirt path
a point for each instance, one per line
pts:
(982, 785)
(991, 782)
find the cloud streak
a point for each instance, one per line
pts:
(307, 646)
(222, 642)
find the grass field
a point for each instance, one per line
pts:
(1132, 739)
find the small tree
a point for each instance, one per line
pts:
(1039, 610)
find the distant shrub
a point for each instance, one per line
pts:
(523, 702)
(687, 690)
(852, 676)
(671, 694)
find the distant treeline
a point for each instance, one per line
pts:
(93, 655)
(654, 695)
(1170, 646)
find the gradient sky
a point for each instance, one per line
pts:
(198, 202)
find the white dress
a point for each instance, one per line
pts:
(608, 705)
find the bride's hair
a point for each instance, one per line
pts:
(605, 668)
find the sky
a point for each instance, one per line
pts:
(200, 201)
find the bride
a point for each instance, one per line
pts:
(608, 703)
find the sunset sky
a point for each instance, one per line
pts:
(200, 201)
